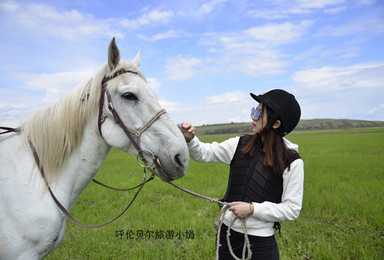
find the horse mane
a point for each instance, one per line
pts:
(57, 130)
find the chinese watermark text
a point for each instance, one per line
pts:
(154, 234)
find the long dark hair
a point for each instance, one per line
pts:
(277, 155)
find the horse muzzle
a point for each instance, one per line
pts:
(169, 169)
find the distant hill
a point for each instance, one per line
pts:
(312, 124)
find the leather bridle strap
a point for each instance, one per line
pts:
(9, 130)
(128, 131)
(116, 118)
(118, 189)
(65, 211)
(118, 73)
(102, 94)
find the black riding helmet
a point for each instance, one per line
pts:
(284, 106)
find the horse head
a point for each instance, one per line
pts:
(132, 120)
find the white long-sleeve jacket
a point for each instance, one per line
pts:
(265, 213)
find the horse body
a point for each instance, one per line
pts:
(31, 226)
(31, 223)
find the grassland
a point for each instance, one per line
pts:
(342, 215)
(304, 125)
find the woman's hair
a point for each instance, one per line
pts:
(277, 155)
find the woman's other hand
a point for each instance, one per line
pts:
(241, 209)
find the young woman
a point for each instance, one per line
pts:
(265, 184)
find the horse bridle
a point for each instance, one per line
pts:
(114, 116)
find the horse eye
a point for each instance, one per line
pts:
(130, 96)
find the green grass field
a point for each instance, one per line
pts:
(342, 215)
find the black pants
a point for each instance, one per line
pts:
(263, 248)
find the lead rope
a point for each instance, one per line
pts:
(219, 223)
(247, 245)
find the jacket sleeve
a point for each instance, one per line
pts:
(213, 152)
(291, 199)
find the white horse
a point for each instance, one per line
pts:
(72, 139)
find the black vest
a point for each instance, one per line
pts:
(250, 181)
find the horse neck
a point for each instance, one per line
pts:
(83, 165)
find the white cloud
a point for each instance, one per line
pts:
(5, 106)
(379, 110)
(41, 19)
(336, 10)
(57, 85)
(318, 4)
(258, 37)
(154, 84)
(208, 7)
(16, 105)
(263, 64)
(155, 16)
(11, 111)
(161, 36)
(365, 75)
(229, 97)
(180, 68)
(9, 6)
(366, 2)
(170, 106)
(255, 51)
(285, 9)
(278, 34)
(362, 27)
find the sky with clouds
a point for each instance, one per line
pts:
(203, 58)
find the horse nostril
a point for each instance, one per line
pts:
(178, 161)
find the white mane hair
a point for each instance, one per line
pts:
(58, 129)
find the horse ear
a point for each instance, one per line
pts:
(113, 54)
(136, 60)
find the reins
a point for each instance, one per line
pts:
(9, 130)
(65, 211)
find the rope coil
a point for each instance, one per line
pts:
(219, 223)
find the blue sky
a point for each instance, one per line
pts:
(203, 58)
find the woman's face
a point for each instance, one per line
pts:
(262, 121)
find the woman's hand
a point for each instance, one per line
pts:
(241, 209)
(188, 131)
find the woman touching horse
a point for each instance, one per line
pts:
(266, 176)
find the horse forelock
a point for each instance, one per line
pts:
(58, 129)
